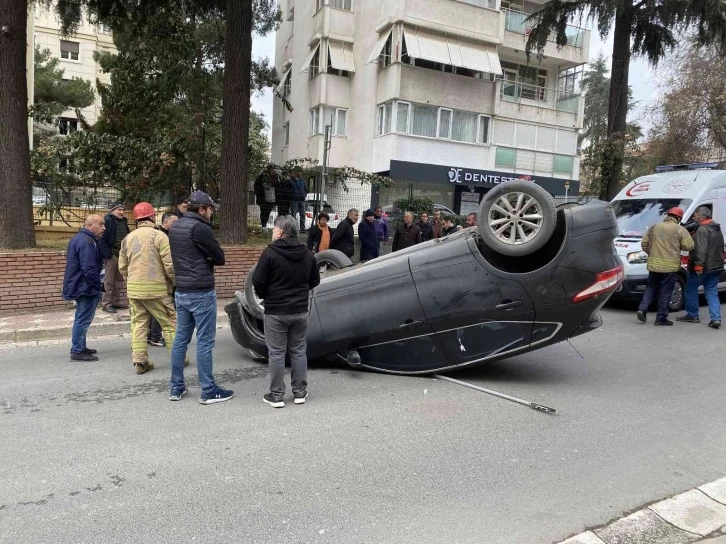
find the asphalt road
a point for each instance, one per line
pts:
(94, 453)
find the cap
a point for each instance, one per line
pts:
(117, 204)
(369, 213)
(676, 212)
(200, 198)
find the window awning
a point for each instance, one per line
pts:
(341, 56)
(383, 38)
(283, 79)
(421, 44)
(308, 60)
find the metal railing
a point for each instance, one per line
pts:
(539, 96)
(516, 21)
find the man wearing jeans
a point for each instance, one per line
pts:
(705, 266)
(82, 283)
(284, 277)
(195, 252)
(663, 243)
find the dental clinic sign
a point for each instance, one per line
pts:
(460, 175)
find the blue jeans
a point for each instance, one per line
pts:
(660, 288)
(709, 280)
(194, 310)
(85, 311)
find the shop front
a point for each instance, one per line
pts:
(459, 189)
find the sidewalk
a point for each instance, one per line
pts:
(56, 325)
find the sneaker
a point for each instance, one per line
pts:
(219, 394)
(82, 356)
(120, 306)
(143, 368)
(269, 399)
(301, 398)
(90, 351)
(688, 319)
(664, 323)
(641, 316)
(160, 343)
(109, 309)
(715, 324)
(177, 395)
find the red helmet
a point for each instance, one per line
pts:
(676, 212)
(143, 210)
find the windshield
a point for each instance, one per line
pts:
(635, 217)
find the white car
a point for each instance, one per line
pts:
(310, 202)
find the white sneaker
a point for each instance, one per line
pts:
(301, 400)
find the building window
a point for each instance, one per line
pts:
(424, 120)
(386, 57)
(445, 123)
(385, 118)
(67, 126)
(291, 14)
(319, 5)
(286, 129)
(314, 121)
(563, 164)
(505, 157)
(491, 4)
(337, 118)
(315, 64)
(512, 5)
(69, 50)
(442, 67)
(287, 85)
(533, 161)
(464, 126)
(483, 134)
(402, 116)
(341, 122)
(347, 5)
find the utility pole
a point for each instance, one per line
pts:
(324, 175)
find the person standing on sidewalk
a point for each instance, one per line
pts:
(437, 225)
(181, 207)
(705, 265)
(284, 277)
(299, 195)
(195, 252)
(427, 229)
(663, 243)
(320, 234)
(407, 234)
(264, 188)
(344, 236)
(369, 247)
(145, 263)
(380, 223)
(117, 227)
(156, 337)
(82, 283)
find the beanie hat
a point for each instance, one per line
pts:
(116, 205)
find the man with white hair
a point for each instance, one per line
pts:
(284, 277)
(408, 234)
(344, 237)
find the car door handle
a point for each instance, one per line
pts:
(508, 305)
(411, 324)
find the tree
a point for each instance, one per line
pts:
(651, 26)
(54, 94)
(16, 190)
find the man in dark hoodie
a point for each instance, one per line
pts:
(705, 265)
(117, 227)
(284, 277)
(344, 237)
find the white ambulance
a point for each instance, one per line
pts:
(644, 202)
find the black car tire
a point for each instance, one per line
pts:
(566, 205)
(496, 223)
(254, 305)
(678, 298)
(333, 259)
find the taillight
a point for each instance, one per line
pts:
(604, 283)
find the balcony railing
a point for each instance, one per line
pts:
(516, 21)
(539, 96)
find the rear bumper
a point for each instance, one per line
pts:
(632, 288)
(592, 323)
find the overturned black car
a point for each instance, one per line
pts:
(532, 274)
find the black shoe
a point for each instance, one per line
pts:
(664, 323)
(83, 357)
(177, 395)
(641, 316)
(120, 306)
(688, 319)
(715, 324)
(160, 343)
(300, 399)
(220, 394)
(90, 351)
(109, 309)
(269, 399)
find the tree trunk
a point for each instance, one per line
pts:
(233, 183)
(618, 102)
(16, 188)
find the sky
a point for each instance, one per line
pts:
(642, 78)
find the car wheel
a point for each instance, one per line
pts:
(566, 205)
(517, 218)
(678, 298)
(254, 304)
(332, 259)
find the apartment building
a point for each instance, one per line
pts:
(436, 94)
(76, 56)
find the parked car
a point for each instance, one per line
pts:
(310, 201)
(529, 276)
(645, 201)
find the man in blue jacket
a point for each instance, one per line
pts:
(117, 227)
(82, 283)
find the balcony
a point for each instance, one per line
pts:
(517, 30)
(335, 23)
(540, 104)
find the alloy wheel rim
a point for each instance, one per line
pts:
(516, 218)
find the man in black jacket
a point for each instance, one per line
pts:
(407, 234)
(705, 266)
(343, 239)
(284, 277)
(117, 227)
(195, 252)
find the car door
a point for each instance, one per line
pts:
(475, 313)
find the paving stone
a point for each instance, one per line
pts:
(692, 511)
(7, 337)
(35, 334)
(716, 490)
(588, 537)
(643, 527)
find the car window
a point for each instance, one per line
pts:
(412, 353)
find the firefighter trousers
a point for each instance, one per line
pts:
(161, 309)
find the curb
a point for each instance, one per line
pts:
(698, 515)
